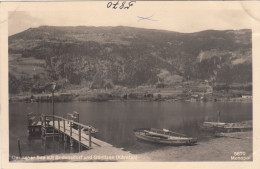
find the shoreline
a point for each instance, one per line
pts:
(215, 149)
(60, 97)
(182, 93)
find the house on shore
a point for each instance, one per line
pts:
(247, 97)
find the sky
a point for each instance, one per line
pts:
(182, 17)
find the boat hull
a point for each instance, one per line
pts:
(93, 132)
(224, 127)
(164, 139)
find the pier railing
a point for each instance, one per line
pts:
(56, 124)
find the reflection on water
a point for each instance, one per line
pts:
(116, 121)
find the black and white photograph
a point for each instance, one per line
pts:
(130, 81)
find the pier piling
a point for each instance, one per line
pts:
(79, 133)
(19, 148)
(89, 135)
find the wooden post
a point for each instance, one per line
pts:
(19, 148)
(53, 106)
(44, 145)
(79, 130)
(42, 127)
(89, 135)
(71, 141)
(41, 120)
(59, 133)
(65, 139)
(64, 129)
(53, 125)
(70, 129)
(64, 135)
(59, 124)
(45, 122)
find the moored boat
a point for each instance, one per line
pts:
(163, 136)
(226, 127)
(93, 131)
(212, 126)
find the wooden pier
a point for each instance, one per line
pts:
(67, 129)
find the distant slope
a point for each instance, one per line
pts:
(126, 56)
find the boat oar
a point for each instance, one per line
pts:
(176, 133)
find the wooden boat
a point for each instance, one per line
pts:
(163, 136)
(226, 127)
(93, 131)
(212, 126)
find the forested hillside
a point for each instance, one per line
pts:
(102, 57)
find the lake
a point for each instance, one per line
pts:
(116, 120)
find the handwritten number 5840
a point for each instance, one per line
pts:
(122, 6)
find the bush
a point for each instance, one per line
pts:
(13, 84)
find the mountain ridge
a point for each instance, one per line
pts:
(126, 56)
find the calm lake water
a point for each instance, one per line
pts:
(116, 120)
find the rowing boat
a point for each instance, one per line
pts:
(163, 136)
(226, 127)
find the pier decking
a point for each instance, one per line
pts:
(69, 130)
(75, 136)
